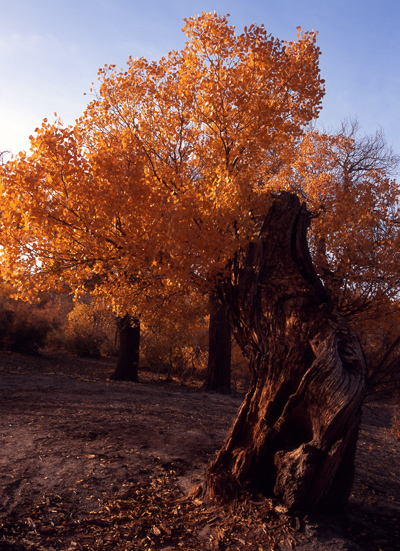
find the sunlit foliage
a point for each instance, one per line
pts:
(167, 172)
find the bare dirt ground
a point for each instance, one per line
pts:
(90, 464)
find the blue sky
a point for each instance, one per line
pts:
(50, 51)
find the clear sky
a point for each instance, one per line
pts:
(50, 51)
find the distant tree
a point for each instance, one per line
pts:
(175, 341)
(347, 180)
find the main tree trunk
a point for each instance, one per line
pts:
(296, 432)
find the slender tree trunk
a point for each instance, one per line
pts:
(295, 435)
(219, 349)
(129, 340)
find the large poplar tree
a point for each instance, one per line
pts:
(181, 177)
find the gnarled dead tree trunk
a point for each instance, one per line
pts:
(295, 435)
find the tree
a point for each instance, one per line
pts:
(129, 344)
(219, 348)
(183, 150)
(175, 341)
(355, 236)
(347, 181)
(171, 183)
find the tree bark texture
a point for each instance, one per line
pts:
(295, 434)
(129, 342)
(219, 348)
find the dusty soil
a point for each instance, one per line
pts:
(90, 464)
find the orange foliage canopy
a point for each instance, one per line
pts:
(162, 178)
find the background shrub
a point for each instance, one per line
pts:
(175, 348)
(88, 329)
(23, 327)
